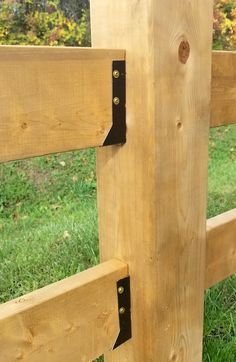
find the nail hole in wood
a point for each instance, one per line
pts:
(179, 125)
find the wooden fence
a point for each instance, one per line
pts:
(151, 189)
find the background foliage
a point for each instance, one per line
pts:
(224, 24)
(44, 22)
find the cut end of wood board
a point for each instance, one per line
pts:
(221, 247)
(223, 94)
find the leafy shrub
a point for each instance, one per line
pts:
(224, 24)
(31, 22)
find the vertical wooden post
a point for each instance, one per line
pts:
(152, 191)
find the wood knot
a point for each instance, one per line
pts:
(184, 51)
(24, 125)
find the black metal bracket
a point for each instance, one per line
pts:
(124, 310)
(117, 134)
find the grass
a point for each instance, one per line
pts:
(48, 221)
(48, 228)
(220, 301)
(222, 170)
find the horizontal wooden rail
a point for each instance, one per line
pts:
(75, 319)
(223, 104)
(60, 99)
(221, 247)
(54, 99)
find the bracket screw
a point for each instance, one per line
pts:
(121, 290)
(116, 74)
(116, 101)
(122, 310)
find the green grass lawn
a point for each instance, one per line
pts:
(220, 301)
(48, 229)
(48, 221)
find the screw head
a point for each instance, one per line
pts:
(121, 290)
(122, 310)
(116, 101)
(116, 74)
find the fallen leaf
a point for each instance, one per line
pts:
(66, 235)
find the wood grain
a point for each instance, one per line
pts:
(221, 247)
(152, 191)
(75, 319)
(54, 99)
(223, 98)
